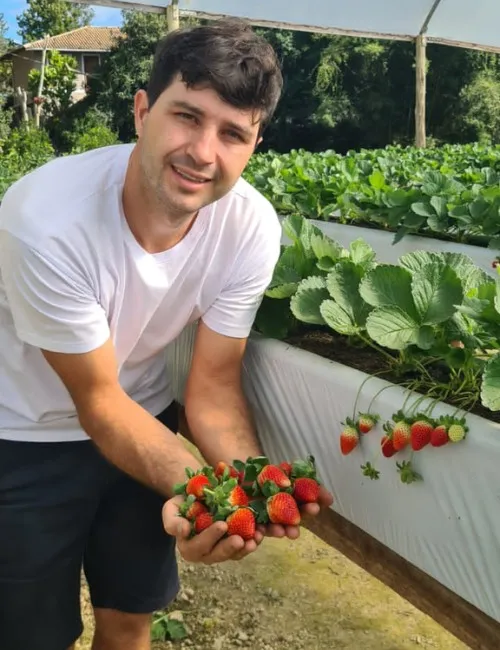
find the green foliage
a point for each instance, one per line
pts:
(25, 149)
(125, 69)
(52, 17)
(450, 192)
(96, 136)
(165, 628)
(481, 107)
(58, 83)
(431, 315)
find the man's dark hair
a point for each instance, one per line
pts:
(226, 55)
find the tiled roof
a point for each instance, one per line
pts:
(85, 39)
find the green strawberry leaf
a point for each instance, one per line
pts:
(490, 387)
(437, 291)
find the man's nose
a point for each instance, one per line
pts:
(202, 147)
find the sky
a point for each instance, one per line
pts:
(105, 16)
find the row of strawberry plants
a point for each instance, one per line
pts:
(451, 192)
(434, 317)
(433, 320)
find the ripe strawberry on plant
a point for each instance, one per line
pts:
(386, 442)
(241, 522)
(439, 436)
(349, 437)
(387, 446)
(420, 433)
(366, 422)
(401, 434)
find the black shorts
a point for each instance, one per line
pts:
(64, 507)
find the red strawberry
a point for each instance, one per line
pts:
(238, 497)
(387, 446)
(349, 439)
(283, 509)
(220, 468)
(401, 435)
(196, 509)
(366, 422)
(420, 432)
(306, 490)
(196, 485)
(275, 474)
(286, 468)
(202, 521)
(242, 523)
(439, 436)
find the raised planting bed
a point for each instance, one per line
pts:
(417, 340)
(382, 242)
(446, 524)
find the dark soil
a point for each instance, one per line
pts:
(339, 348)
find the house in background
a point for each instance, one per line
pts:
(85, 44)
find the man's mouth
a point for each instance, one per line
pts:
(189, 176)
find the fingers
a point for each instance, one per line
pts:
(325, 498)
(173, 524)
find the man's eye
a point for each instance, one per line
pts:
(186, 116)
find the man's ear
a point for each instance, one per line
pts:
(141, 108)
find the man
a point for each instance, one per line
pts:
(104, 258)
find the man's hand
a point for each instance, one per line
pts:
(209, 546)
(307, 510)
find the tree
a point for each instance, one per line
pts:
(52, 17)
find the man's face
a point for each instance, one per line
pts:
(193, 146)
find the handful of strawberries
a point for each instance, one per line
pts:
(245, 494)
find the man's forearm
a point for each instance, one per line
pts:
(138, 444)
(221, 424)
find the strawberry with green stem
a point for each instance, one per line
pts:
(197, 482)
(366, 422)
(421, 429)
(401, 433)
(349, 437)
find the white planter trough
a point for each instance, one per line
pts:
(447, 525)
(381, 242)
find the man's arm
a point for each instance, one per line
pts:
(125, 433)
(217, 412)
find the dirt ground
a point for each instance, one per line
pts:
(293, 596)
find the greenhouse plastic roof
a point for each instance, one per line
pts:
(454, 22)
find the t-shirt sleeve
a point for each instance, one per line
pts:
(233, 312)
(53, 307)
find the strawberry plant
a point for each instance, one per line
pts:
(164, 628)
(449, 192)
(433, 319)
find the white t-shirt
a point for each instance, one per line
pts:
(72, 274)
